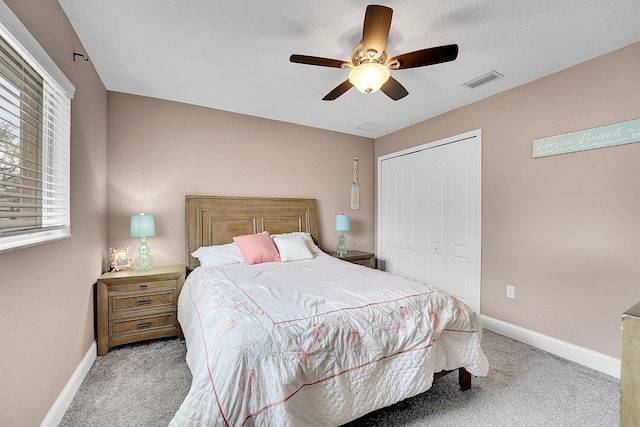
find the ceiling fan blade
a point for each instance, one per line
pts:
(377, 22)
(393, 89)
(420, 58)
(339, 90)
(314, 60)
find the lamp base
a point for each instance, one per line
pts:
(144, 264)
(144, 260)
(342, 245)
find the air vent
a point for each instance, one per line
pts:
(369, 127)
(483, 79)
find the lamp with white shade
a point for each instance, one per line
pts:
(342, 225)
(143, 226)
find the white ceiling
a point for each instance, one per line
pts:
(234, 55)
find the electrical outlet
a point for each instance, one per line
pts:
(511, 291)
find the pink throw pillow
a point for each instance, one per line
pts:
(257, 248)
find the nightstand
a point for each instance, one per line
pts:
(357, 257)
(138, 305)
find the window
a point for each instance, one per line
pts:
(35, 107)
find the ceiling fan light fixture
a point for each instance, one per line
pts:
(369, 77)
(370, 65)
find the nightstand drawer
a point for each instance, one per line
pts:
(127, 302)
(143, 286)
(366, 262)
(143, 324)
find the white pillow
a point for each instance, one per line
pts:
(292, 248)
(213, 256)
(307, 238)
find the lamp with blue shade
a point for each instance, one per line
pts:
(342, 225)
(143, 226)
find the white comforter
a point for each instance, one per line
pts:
(317, 342)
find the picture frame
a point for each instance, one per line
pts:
(121, 258)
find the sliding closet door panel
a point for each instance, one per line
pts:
(464, 198)
(434, 161)
(429, 215)
(400, 223)
(389, 218)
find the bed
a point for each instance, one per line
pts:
(304, 340)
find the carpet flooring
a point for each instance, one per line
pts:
(144, 384)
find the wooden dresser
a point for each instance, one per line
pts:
(138, 305)
(630, 373)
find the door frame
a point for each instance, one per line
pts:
(477, 133)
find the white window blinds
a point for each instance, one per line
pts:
(34, 142)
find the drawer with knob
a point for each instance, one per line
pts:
(123, 302)
(123, 327)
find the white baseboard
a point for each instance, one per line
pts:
(57, 411)
(592, 359)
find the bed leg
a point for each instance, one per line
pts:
(464, 379)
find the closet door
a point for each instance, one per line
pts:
(429, 216)
(401, 221)
(435, 194)
(462, 268)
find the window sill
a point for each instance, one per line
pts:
(8, 244)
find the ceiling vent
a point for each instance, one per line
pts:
(369, 127)
(483, 79)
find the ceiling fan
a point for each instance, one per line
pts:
(370, 66)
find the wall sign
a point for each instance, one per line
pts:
(355, 187)
(588, 139)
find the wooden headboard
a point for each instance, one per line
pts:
(215, 220)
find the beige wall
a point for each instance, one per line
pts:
(159, 151)
(565, 230)
(46, 292)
